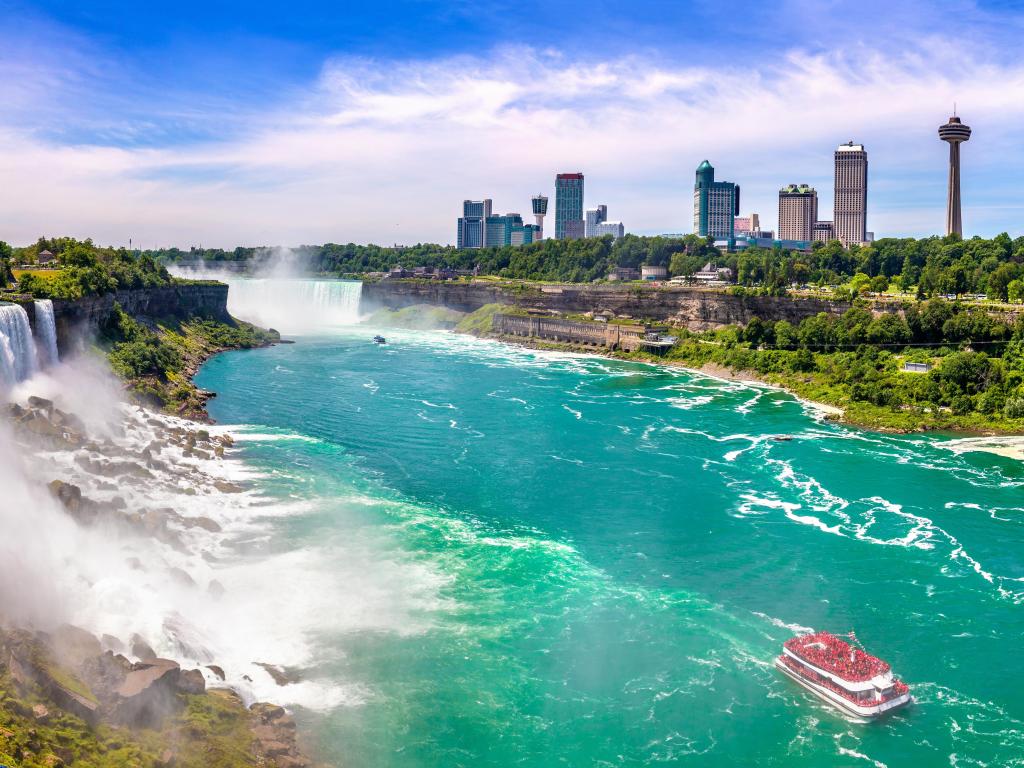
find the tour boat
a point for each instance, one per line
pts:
(379, 340)
(845, 676)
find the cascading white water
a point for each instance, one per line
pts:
(46, 327)
(294, 305)
(17, 347)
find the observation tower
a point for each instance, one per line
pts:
(540, 208)
(954, 133)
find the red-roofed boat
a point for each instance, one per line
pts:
(843, 675)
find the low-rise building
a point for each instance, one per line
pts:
(653, 272)
(625, 274)
(712, 274)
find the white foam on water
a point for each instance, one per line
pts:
(799, 629)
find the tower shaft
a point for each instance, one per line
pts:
(954, 223)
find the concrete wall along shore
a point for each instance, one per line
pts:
(609, 335)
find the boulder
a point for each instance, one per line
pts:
(141, 649)
(148, 694)
(74, 646)
(280, 675)
(40, 402)
(216, 671)
(191, 682)
(202, 522)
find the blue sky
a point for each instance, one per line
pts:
(226, 123)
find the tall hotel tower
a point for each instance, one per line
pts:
(569, 206)
(716, 204)
(798, 211)
(955, 133)
(851, 194)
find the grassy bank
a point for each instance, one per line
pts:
(158, 360)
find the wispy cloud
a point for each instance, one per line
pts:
(385, 150)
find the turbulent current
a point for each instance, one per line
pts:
(500, 557)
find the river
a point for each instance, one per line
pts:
(502, 556)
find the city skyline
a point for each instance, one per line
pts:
(268, 127)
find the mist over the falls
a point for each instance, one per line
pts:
(143, 529)
(282, 293)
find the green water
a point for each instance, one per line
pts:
(558, 560)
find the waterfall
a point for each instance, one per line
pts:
(46, 328)
(17, 347)
(294, 305)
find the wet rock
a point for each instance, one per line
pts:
(105, 674)
(40, 402)
(191, 682)
(73, 645)
(280, 675)
(111, 643)
(267, 713)
(67, 494)
(202, 522)
(182, 577)
(148, 694)
(216, 671)
(227, 487)
(141, 649)
(215, 589)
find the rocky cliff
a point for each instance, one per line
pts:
(694, 307)
(76, 318)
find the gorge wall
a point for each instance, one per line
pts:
(77, 318)
(691, 306)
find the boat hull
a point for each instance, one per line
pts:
(842, 704)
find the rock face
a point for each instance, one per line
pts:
(692, 306)
(77, 318)
(274, 730)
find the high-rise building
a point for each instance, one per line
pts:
(715, 204)
(569, 204)
(540, 209)
(850, 213)
(798, 210)
(823, 232)
(472, 223)
(955, 133)
(595, 216)
(613, 228)
(498, 229)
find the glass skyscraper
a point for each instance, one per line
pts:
(716, 204)
(472, 232)
(568, 204)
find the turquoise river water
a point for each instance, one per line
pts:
(525, 558)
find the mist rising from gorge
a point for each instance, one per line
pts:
(279, 291)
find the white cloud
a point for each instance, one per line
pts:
(386, 151)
